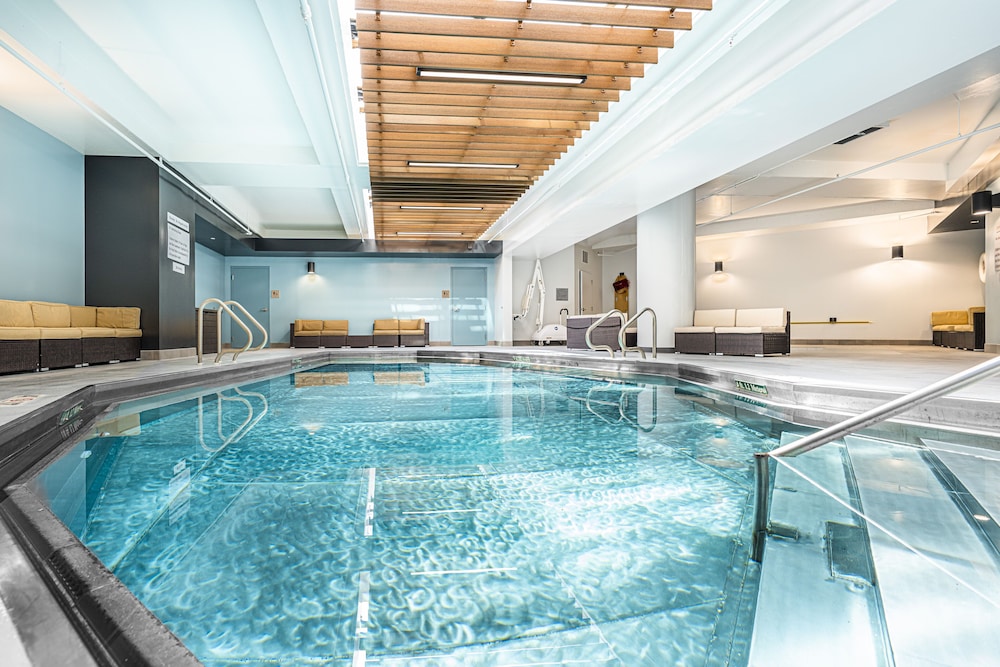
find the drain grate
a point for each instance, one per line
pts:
(847, 549)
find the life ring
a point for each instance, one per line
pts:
(982, 268)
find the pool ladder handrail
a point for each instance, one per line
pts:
(224, 306)
(245, 427)
(621, 404)
(632, 320)
(876, 415)
(610, 350)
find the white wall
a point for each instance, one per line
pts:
(622, 261)
(41, 215)
(364, 289)
(846, 272)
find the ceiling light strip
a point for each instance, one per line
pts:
(441, 208)
(460, 165)
(428, 233)
(506, 77)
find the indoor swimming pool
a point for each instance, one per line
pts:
(425, 514)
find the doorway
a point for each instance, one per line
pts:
(468, 306)
(251, 287)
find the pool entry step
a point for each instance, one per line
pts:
(884, 555)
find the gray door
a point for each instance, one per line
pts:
(468, 306)
(251, 287)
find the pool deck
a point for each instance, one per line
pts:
(847, 371)
(844, 369)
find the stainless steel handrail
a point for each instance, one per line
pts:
(610, 350)
(848, 426)
(253, 319)
(218, 330)
(632, 320)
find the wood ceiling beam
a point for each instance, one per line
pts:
(499, 63)
(406, 73)
(498, 148)
(498, 9)
(702, 5)
(480, 112)
(484, 141)
(412, 119)
(542, 103)
(494, 89)
(591, 35)
(456, 172)
(490, 46)
(466, 156)
(513, 132)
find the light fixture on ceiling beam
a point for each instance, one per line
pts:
(441, 208)
(501, 77)
(428, 233)
(461, 165)
(984, 202)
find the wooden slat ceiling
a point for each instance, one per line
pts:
(484, 141)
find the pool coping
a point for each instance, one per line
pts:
(118, 629)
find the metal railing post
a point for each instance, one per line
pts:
(610, 350)
(761, 505)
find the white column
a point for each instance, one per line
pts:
(503, 308)
(992, 300)
(665, 255)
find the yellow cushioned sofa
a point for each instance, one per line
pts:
(392, 333)
(38, 335)
(319, 333)
(964, 329)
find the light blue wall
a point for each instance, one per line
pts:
(41, 215)
(209, 274)
(362, 290)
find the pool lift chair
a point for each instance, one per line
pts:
(549, 333)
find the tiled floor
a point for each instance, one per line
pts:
(896, 369)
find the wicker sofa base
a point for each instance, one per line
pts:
(385, 340)
(18, 356)
(60, 353)
(128, 349)
(752, 344)
(694, 343)
(99, 350)
(335, 340)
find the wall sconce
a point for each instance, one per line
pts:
(897, 252)
(984, 201)
(311, 268)
(718, 267)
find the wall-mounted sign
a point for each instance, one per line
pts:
(178, 241)
(275, 294)
(446, 294)
(178, 268)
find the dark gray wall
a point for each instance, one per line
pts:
(177, 318)
(127, 200)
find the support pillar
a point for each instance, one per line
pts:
(665, 280)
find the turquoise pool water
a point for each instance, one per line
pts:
(428, 514)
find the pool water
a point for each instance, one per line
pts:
(428, 514)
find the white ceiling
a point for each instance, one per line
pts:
(228, 92)
(744, 109)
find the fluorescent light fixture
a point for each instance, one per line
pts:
(502, 77)
(441, 208)
(461, 165)
(428, 233)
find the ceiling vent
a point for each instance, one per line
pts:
(862, 133)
